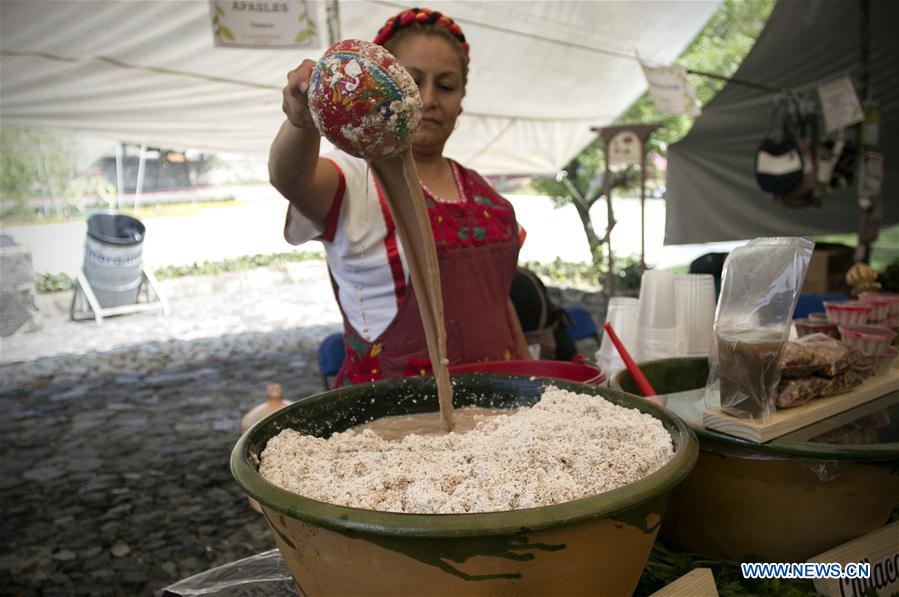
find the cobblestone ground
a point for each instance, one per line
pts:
(115, 440)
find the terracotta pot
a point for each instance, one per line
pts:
(596, 545)
(783, 501)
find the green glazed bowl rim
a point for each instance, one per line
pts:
(778, 447)
(604, 505)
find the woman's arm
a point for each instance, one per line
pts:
(293, 165)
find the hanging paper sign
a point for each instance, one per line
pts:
(839, 104)
(624, 148)
(670, 90)
(265, 23)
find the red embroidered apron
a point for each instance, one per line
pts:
(477, 249)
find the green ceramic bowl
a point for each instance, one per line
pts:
(788, 499)
(596, 545)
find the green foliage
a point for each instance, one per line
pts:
(666, 566)
(62, 282)
(53, 283)
(627, 278)
(37, 164)
(719, 49)
(889, 277)
(242, 263)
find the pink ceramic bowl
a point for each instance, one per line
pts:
(872, 340)
(818, 316)
(880, 305)
(885, 361)
(892, 297)
(805, 327)
(847, 312)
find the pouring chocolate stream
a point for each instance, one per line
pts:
(368, 105)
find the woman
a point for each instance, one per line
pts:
(335, 199)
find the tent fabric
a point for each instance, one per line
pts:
(712, 191)
(542, 73)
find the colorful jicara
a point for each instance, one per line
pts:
(363, 101)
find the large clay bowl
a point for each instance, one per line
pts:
(783, 501)
(593, 546)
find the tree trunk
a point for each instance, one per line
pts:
(593, 240)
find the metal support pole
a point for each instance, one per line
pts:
(140, 175)
(119, 173)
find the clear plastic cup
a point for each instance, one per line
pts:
(655, 343)
(657, 319)
(622, 316)
(695, 311)
(657, 309)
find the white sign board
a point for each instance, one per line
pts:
(671, 93)
(880, 550)
(265, 23)
(624, 148)
(839, 104)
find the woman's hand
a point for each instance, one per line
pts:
(295, 104)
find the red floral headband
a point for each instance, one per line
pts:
(422, 16)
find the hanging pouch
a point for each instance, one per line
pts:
(779, 164)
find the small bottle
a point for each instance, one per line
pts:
(259, 412)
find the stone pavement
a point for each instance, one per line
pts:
(114, 472)
(116, 439)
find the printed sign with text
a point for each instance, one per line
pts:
(265, 23)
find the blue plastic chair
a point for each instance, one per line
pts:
(814, 303)
(330, 357)
(582, 324)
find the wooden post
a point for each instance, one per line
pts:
(606, 134)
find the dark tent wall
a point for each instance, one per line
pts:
(712, 192)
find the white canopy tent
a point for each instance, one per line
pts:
(147, 71)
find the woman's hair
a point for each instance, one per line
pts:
(423, 21)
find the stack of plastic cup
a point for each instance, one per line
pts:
(657, 318)
(622, 316)
(694, 296)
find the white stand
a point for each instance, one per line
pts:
(86, 306)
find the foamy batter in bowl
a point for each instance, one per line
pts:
(566, 447)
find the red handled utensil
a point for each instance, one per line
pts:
(632, 367)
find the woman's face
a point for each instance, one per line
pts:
(437, 69)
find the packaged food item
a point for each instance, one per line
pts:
(836, 356)
(892, 297)
(796, 392)
(806, 327)
(842, 383)
(759, 288)
(880, 305)
(864, 367)
(872, 340)
(893, 324)
(818, 316)
(798, 360)
(847, 312)
(884, 362)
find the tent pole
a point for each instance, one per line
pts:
(141, 164)
(119, 173)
